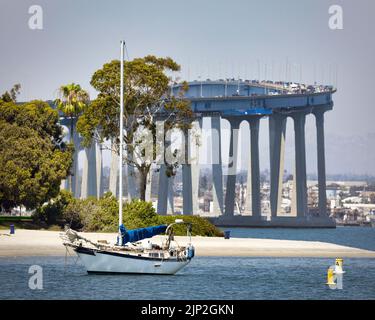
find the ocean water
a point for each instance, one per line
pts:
(221, 278)
(205, 278)
(357, 237)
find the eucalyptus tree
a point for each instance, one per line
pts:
(147, 94)
(11, 95)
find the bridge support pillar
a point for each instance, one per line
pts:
(190, 170)
(253, 197)
(132, 189)
(187, 207)
(277, 130)
(217, 170)
(195, 167)
(99, 170)
(187, 185)
(165, 193)
(89, 173)
(300, 163)
(319, 118)
(75, 187)
(230, 195)
(293, 209)
(114, 171)
(149, 185)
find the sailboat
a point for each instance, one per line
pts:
(131, 254)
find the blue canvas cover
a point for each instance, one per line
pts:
(140, 234)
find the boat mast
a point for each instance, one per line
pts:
(121, 137)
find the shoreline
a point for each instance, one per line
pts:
(48, 243)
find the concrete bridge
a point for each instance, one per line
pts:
(237, 101)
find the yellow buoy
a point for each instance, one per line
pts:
(339, 265)
(331, 277)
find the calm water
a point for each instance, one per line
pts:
(358, 237)
(208, 278)
(204, 278)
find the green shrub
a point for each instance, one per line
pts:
(200, 226)
(92, 214)
(75, 212)
(139, 214)
(52, 212)
(101, 215)
(104, 217)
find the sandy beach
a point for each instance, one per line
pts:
(48, 243)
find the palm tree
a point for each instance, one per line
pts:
(71, 102)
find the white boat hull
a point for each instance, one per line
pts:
(116, 263)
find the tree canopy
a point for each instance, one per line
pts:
(36, 115)
(73, 100)
(146, 93)
(11, 95)
(33, 158)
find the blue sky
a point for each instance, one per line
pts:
(212, 39)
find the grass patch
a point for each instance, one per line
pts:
(15, 219)
(5, 225)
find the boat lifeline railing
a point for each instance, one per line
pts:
(70, 237)
(170, 235)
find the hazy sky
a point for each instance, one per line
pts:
(213, 39)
